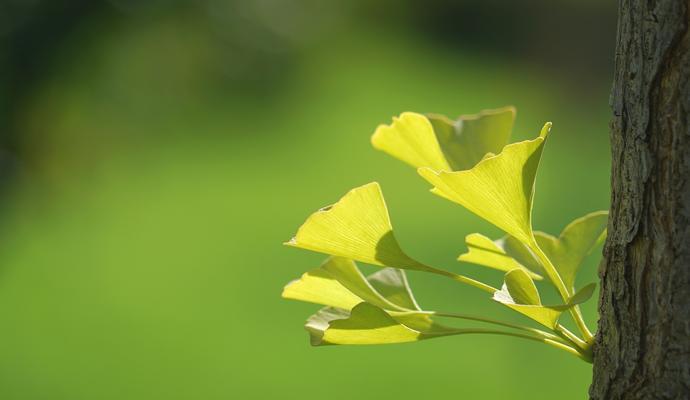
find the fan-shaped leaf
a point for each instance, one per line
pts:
(356, 227)
(467, 140)
(520, 252)
(440, 143)
(499, 189)
(583, 294)
(339, 283)
(520, 294)
(410, 138)
(492, 254)
(320, 287)
(545, 315)
(577, 240)
(368, 324)
(392, 284)
(318, 323)
(522, 288)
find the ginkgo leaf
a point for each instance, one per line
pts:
(483, 251)
(545, 315)
(317, 324)
(411, 139)
(520, 252)
(339, 283)
(392, 284)
(569, 249)
(499, 189)
(356, 227)
(345, 271)
(320, 287)
(440, 143)
(520, 294)
(467, 140)
(583, 294)
(368, 324)
(522, 288)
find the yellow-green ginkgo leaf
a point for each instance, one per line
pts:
(499, 189)
(468, 139)
(483, 251)
(411, 139)
(392, 284)
(339, 283)
(321, 287)
(522, 288)
(440, 143)
(545, 315)
(318, 323)
(569, 249)
(356, 227)
(520, 252)
(583, 294)
(520, 294)
(368, 324)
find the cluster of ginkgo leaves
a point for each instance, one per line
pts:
(468, 161)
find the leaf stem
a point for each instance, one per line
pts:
(564, 337)
(554, 343)
(562, 290)
(581, 325)
(539, 332)
(550, 271)
(571, 337)
(555, 277)
(463, 279)
(571, 350)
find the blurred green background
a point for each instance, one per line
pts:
(155, 155)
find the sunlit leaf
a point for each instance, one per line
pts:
(545, 315)
(492, 254)
(520, 252)
(468, 162)
(520, 294)
(522, 288)
(440, 143)
(468, 139)
(577, 240)
(392, 284)
(499, 189)
(368, 324)
(339, 283)
(411, 139)
(320, 287)
(318, 323)
(356, 227)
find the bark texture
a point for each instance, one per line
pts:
(642, 349)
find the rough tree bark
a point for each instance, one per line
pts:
(642, 350)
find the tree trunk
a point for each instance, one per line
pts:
(642, 349)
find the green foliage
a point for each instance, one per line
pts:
(499, 254)
(357, 227)
(469, 162)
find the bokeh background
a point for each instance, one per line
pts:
(155, 155)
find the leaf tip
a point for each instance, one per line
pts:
(375, 137)
(583, 294)
(382, 129)
(545, 130)
(427, 172)
(285, 293)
